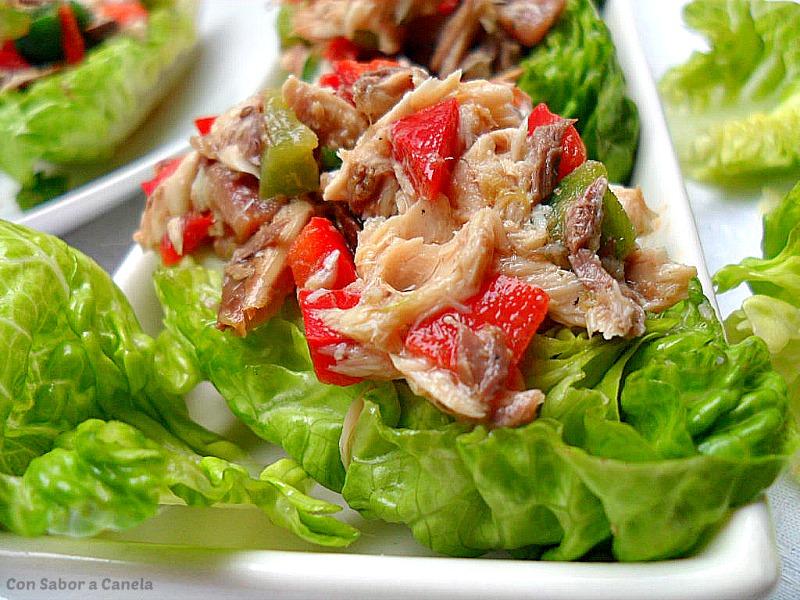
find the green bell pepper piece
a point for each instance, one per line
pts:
(288, 166)
(618, 232)
(42, 43)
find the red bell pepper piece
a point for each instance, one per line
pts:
(163, 170)
(71, 39)
(573, 151)
(11, 59)
(312, 252)
(509, 303)
(426, 143)
(447, 7)
(346, 73)
(123, 13)
(321, 338)
(195, 234)
(340, 48)
(204, 124)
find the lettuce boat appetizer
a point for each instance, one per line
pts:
(77, 78)
(558, 51)
(440, 308)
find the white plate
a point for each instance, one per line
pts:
(233, 59)
(227, 553)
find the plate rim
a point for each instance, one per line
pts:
(725, 568)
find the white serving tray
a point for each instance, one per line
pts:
(234, 57)
(235, 553)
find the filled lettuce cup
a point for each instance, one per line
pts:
(425, 292)
(77, 78)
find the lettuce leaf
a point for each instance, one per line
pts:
(734, 110)
(92, 437)
(82, 114)
(107, 476)
(267, 377)
(773, 314)
(643, 445)
(700, 427)
(575, 71)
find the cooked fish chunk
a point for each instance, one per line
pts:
(508, 170)
(257, 278)
(528, 21)
(376, 93)
(632, 200)
(569, 299)
(172, 198)
(458, 35)
(237, 137)
(336, 122)
(660, 282)
(447, 391)
(611, 310)
(234, 198)
(399, 291)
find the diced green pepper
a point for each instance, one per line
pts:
(618, 232)
(288, 167)
(310, 68)
(42, 43)
(13, 23)
(329, 159)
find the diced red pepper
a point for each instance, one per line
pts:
(320, 337)
(71, 39)
(346, 73)
(509, 303)
(426, 144)
(573, 151)
(204, 124)
(163, 170)
(11, 59)
(341, 48)
(123, 13)
(447, 7)
(331, 80)
(311, 252)
(195, 234)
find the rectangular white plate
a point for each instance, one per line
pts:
(234, 553)
(233, 59)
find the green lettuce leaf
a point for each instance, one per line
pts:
(575, 71)
(93, 435)
(107, 476)
(82, 114)
(734, 110)
(267, 377)
(773, 314)
(648, 444)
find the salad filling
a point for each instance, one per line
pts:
(42, 37)
(430, 226)
(481, 38)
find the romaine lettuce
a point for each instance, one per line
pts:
(734, 110)
(702, 429)
(645, 444)
(82, 114)
(92, 436)
(575, 71)
(267, 377)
